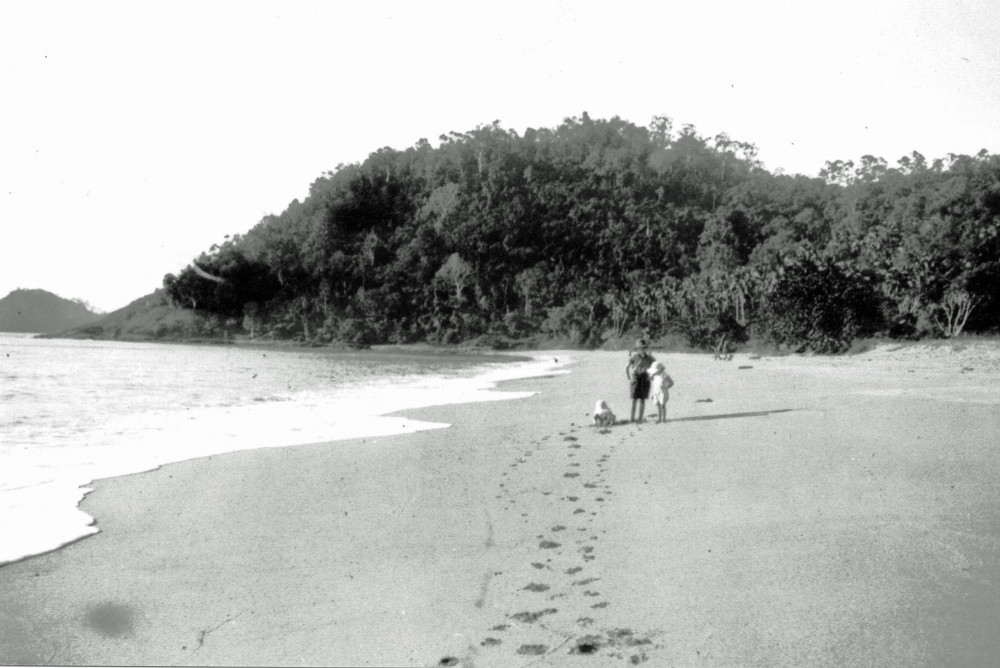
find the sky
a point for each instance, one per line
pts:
(136, 134)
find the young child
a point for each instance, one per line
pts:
(603, 417)
(638, 363)
(661, 383)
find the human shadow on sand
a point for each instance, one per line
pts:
(724, 416)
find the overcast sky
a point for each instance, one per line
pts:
(133, 135)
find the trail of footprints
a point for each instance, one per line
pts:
(566, 564)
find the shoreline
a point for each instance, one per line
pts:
(847, 529)
(46, 515)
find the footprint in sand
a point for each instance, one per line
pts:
(537, 587)
(574, 570)
(532, 617)
(490, 642)
(549, 545)
(571, 475)
(533, 650)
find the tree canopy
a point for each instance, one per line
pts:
(599, 227)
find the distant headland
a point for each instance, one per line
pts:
(40, 311)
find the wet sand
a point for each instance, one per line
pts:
(817, 511)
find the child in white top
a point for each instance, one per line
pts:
(661, 383)
(603, 417)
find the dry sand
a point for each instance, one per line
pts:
(817, 511)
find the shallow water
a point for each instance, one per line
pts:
(74, 411)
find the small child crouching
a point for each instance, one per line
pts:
(603, 417)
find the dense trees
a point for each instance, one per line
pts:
(601, 228)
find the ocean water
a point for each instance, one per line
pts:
(75, 411)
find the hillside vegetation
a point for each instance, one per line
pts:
(149, 318)
(599, 229)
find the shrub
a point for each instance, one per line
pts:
(821, 305)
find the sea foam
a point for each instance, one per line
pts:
(52, 454)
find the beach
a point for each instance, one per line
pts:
(793, 511)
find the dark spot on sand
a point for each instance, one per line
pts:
(586, 550)
(538, 565)
(746, 367)
(590, 485)
(600, 605)
(585, 621)
(533, 649)
(548, 544)
(534, 586)
(703, 401)
(500, 627)
(558, 527)
(571, 475)
(532, 617)
(571, 438)
(578, 511)
(448, 661)
(490, 642)
(572, 498)
(588, 645)
(591, 593)
(587, 581)
(112, 620)
(573, 571)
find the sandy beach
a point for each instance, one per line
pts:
(793, 511)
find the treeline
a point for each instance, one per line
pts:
(601, 228)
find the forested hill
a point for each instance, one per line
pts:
(40, 311)
(601, 228)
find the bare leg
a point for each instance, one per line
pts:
(642, 410)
